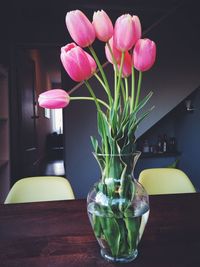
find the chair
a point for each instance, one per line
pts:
(165, 181)
(44, 188)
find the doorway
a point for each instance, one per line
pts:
(33, 70)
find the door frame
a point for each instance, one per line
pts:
(14, 106)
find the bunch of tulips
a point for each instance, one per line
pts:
(117, 117)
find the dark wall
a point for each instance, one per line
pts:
(187, 130)
(185, 127)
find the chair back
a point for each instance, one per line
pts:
(43, 188)
(165, 181)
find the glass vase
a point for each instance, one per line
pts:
(118, 207)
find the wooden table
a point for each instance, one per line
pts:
(55, 234)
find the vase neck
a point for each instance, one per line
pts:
(117, 165)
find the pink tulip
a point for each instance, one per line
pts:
(124, 33)
(116, 53)
(80, 28)
(92, 62)
(144, 54)
(127, 66)
(138, 28)
(103, 26)
(55, 98)
(75, 62)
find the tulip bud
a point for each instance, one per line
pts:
(124, 33)
(55, 98)
(144, 54)
(116, 53)
(102, 25)
(127, 65)
(80, 28)
(75, 62)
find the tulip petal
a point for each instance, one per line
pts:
(116, 53)
(80, 28)
(76, 63)
(144, 54)
(124, 31)
(53, 99)
(103, 25)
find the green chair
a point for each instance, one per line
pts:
(165, 181)
(44, 188)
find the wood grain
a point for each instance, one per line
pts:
(58, 234)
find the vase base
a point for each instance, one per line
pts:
(119, 259)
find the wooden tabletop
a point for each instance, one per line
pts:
(58, 234)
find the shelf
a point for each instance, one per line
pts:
(160, 155)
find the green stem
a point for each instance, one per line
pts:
(132, 89)
(138, 89)
(116, 70)
(123, 91)
(112, 55)
(102, 73)
(93, 95)
(126, 87)
(89, 98)
(101, 81)
(100, 112)
(115, 81)
(119, 82)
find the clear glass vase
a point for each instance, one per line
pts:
(118, 208)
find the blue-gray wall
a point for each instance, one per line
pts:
(185, 127)
(187, 130)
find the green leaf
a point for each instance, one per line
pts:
(132, 226)
(125, 113)
(100, 123)
(94, 144)
(133, 116)
(113, 119)
(134, 125)
(97, 226)
(101, 161)
(143, 102)
(107, 126)
(111, 233)
(123, 248)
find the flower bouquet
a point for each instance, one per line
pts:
(117, 204)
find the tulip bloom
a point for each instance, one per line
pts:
(80, 28)
(75, 62)
(138, 28)
(103, 26)
(127, 65)
(144, 54)
(55, 98)
(124, 33)
(116, 53)
(92, 62)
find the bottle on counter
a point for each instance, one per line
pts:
(165, 144)
(145, 147)
(159, 145)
